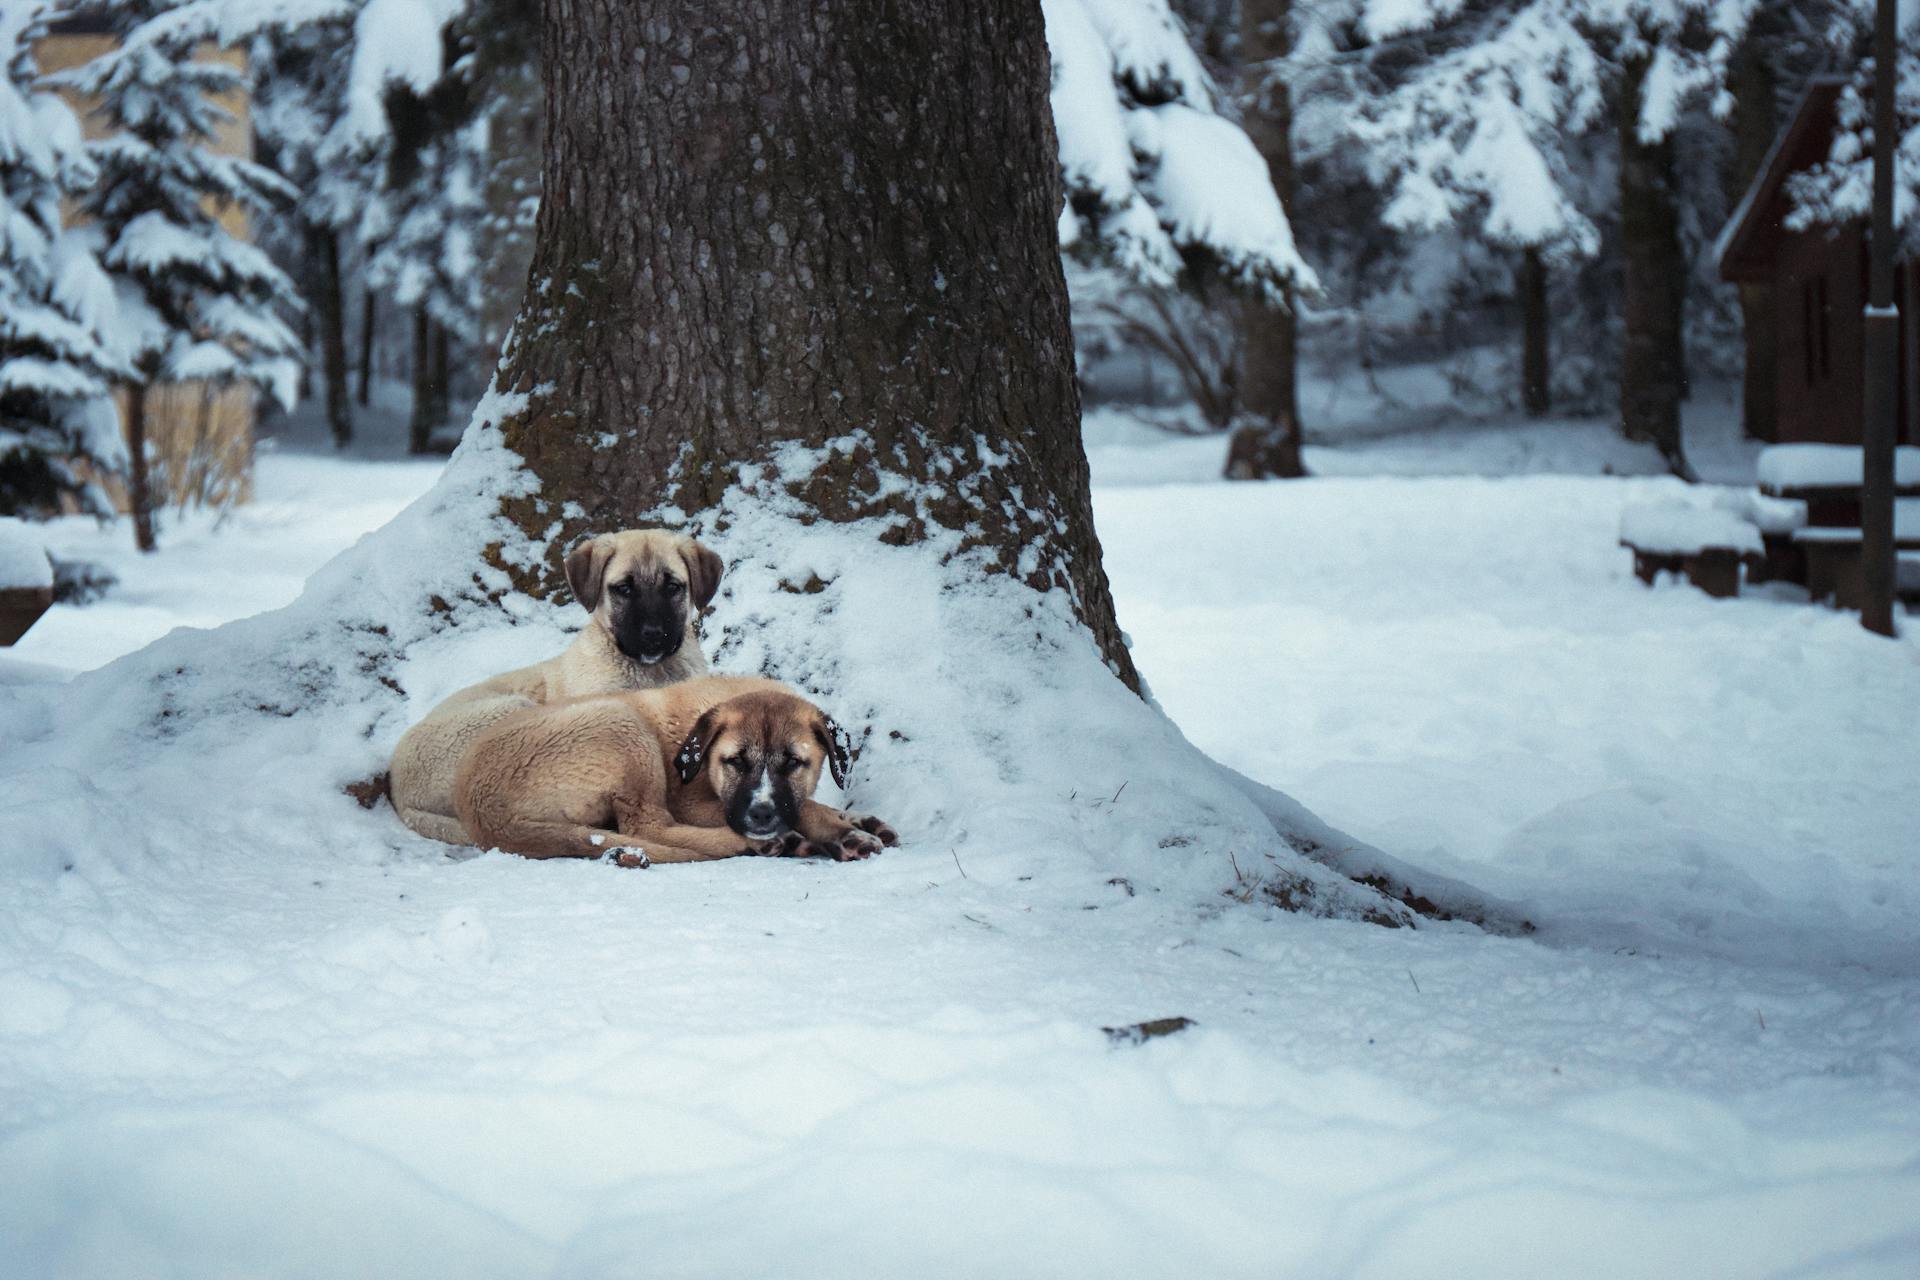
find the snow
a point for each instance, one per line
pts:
(23, 556)
(1827, 466)
(1681, 528)
(237, 1012)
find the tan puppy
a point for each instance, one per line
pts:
(709, 768)
(643, 589)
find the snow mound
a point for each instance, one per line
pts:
(986, 721)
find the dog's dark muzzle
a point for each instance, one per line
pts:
(650, 644)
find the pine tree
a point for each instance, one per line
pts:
(298, 109)
(197, 303)
(56, 409)
(1488, 131)
(424, 231)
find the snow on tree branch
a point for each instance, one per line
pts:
(1155, 177)
(1841, 189)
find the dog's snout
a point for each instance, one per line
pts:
(762, 814)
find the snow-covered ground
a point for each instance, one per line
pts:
(226, 1061)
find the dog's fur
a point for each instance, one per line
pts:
(643, 589)
(708, 768)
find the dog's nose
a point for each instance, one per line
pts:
(653, 633)
(761, 814)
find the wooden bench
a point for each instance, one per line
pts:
(1707, 544)
(26, 579)
(1834, 565)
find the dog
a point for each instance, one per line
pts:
(709, 768)
(643, 590)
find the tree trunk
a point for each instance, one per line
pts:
(442, 380)
(139, 493)
(1269, 444)
(366, 348)
(1652, 361)
(772, 222)
(420, 426)
(1536, 331)
(1755, 123)
(331, 312)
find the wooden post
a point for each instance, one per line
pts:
(1882, 331)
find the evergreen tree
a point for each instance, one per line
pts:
(196, 302)
(302, 66)
(1491, 125)
(56, 409)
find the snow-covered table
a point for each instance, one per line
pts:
(1827, 477)
(1708, 544)
(26, 579)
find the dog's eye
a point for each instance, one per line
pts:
(789, 764)
(669, 587)
(621, 589)
(736, 762)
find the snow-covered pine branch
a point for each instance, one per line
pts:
(1841, 189)
(55, 372)
(1156, 177)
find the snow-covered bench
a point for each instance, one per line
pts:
(1834, 568)
(1708, 544)
(26, 579)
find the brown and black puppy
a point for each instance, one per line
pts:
(709, 768)
(643, 590)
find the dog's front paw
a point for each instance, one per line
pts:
(854, 844)
(628, 856)
(875, 827)
(790, 845)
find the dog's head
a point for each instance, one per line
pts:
(642, 585)
(762, 753)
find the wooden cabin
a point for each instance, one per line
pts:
(1815, 281)
(199, 436)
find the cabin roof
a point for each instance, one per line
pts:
(1751, 240)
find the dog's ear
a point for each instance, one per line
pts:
(704, 568)
(692, 755)
(839, 749)
(585, 565)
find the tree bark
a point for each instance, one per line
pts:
(1536, 335)
(442, 374)
(770, 222)
(1756, 121)
(1653, 289)
(366, 348)
(331, 309)
(139, 492)
(1268, 445)
(420, 425)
